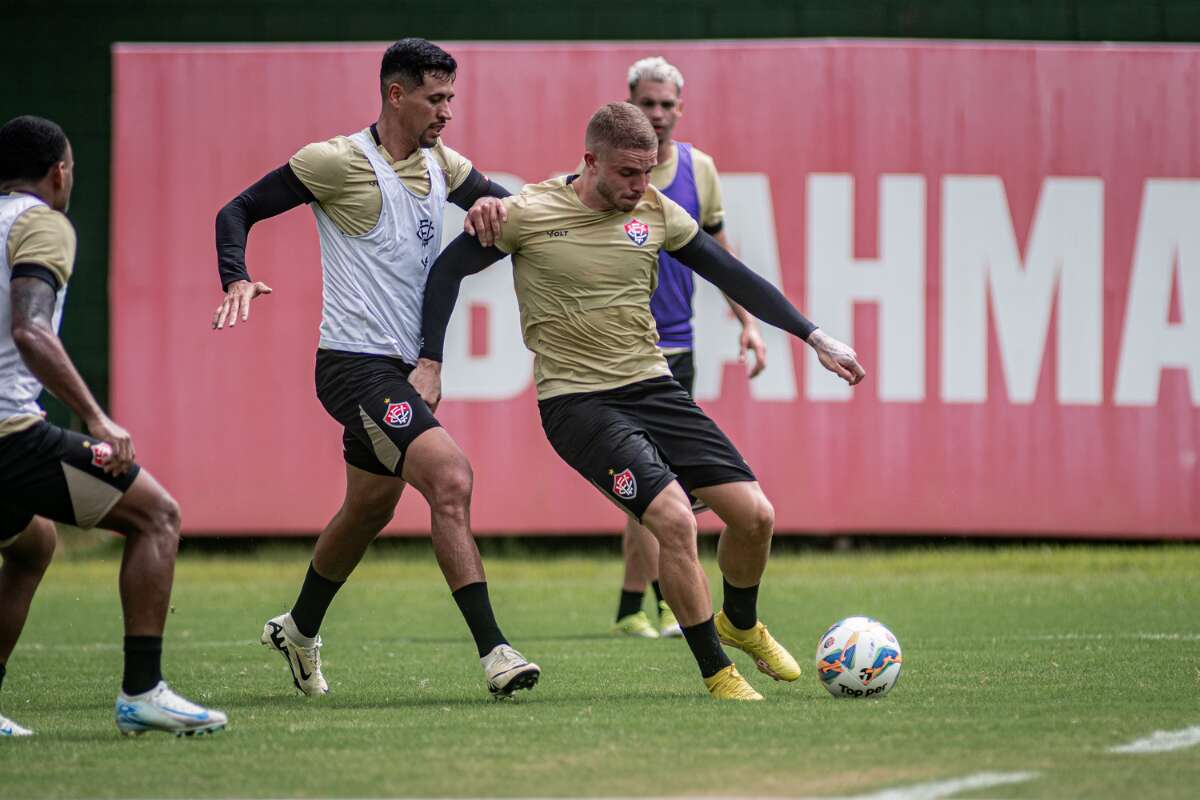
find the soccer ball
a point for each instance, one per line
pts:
(858, 657)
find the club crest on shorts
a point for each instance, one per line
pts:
(398, 415)
(637, 231)
(625, 485)
(101, 454)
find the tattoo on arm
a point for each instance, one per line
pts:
(32, 302)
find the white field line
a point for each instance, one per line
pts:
(938, 789)
(1142, 637)
(1162, 742)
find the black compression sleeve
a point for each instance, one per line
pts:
(705, 256)
(278, 191)
(27, 270)
(476, 185)
(465, 256)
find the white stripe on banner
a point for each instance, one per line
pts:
(938, 789)
(1162, 742)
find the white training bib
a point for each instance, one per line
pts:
(19, 389)
(374, 284)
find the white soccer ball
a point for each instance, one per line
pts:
(858, 657)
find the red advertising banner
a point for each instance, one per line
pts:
(1009, 236)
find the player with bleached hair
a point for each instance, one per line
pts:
(585, 264)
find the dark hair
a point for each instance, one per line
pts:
(29, 147)
(408, 60)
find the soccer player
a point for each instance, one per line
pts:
(585, 259)
(47, 473)
(688, 176)
(378, 197)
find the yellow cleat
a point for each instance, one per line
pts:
(728, 684)
(635, 625)
(769, 655)
(668, 626)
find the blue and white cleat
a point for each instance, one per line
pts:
(10, 728)
(302, 656)
(160, 709)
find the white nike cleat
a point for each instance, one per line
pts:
(304, 660)
(10, 728)
(507, 671)
(160, 709)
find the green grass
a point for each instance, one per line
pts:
(1021, 658)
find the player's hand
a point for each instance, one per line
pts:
(237, 303)
(426, 378)
(116, 441)
(837, 357)
(484, 219)
(751, 340)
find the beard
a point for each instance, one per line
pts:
(615, 198)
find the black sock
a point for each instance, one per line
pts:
(476, 609)
(741, 605)
(3, 671)
(315, 596)
(143, 664)
(631, 603)
(706, 647)
(657, 591)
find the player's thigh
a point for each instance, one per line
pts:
(145, 507)
(370, 498)
(669, 518)
(741, 505)
(381, 412)
(607, 448)
(438, 467)
(59, 474)
(34, 542)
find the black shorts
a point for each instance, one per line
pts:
(632, 441)
(58, 474)
(683, 369)
(380, 410)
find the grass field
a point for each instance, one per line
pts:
(1017, 659)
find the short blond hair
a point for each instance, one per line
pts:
(621, 126)
(655, 68)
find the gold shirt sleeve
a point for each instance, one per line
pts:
(680, 227)
(323, 166)
(708, 187)
(44, 237)
(456, 166)
(510, 230)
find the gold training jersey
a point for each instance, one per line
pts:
(583, 280)
(344, 183)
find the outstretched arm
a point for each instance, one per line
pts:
(465, 256)
(33, 292)
(703, 255)
(278, 191)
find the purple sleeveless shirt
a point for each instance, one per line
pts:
(671, 303)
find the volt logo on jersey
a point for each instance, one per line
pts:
(625, 485)
(398, 415)
(637, 231)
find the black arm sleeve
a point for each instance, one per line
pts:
(25, 270)
(705, 256)
(476, 185)
(277, 192)
(465, 256)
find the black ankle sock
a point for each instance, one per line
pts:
(476, 609)
(315, 596)
(706, 647)
(741, 605)
(3, 671)
(657, 591)
(631, 603)
(143, 664)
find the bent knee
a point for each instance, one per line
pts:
(453, 484)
